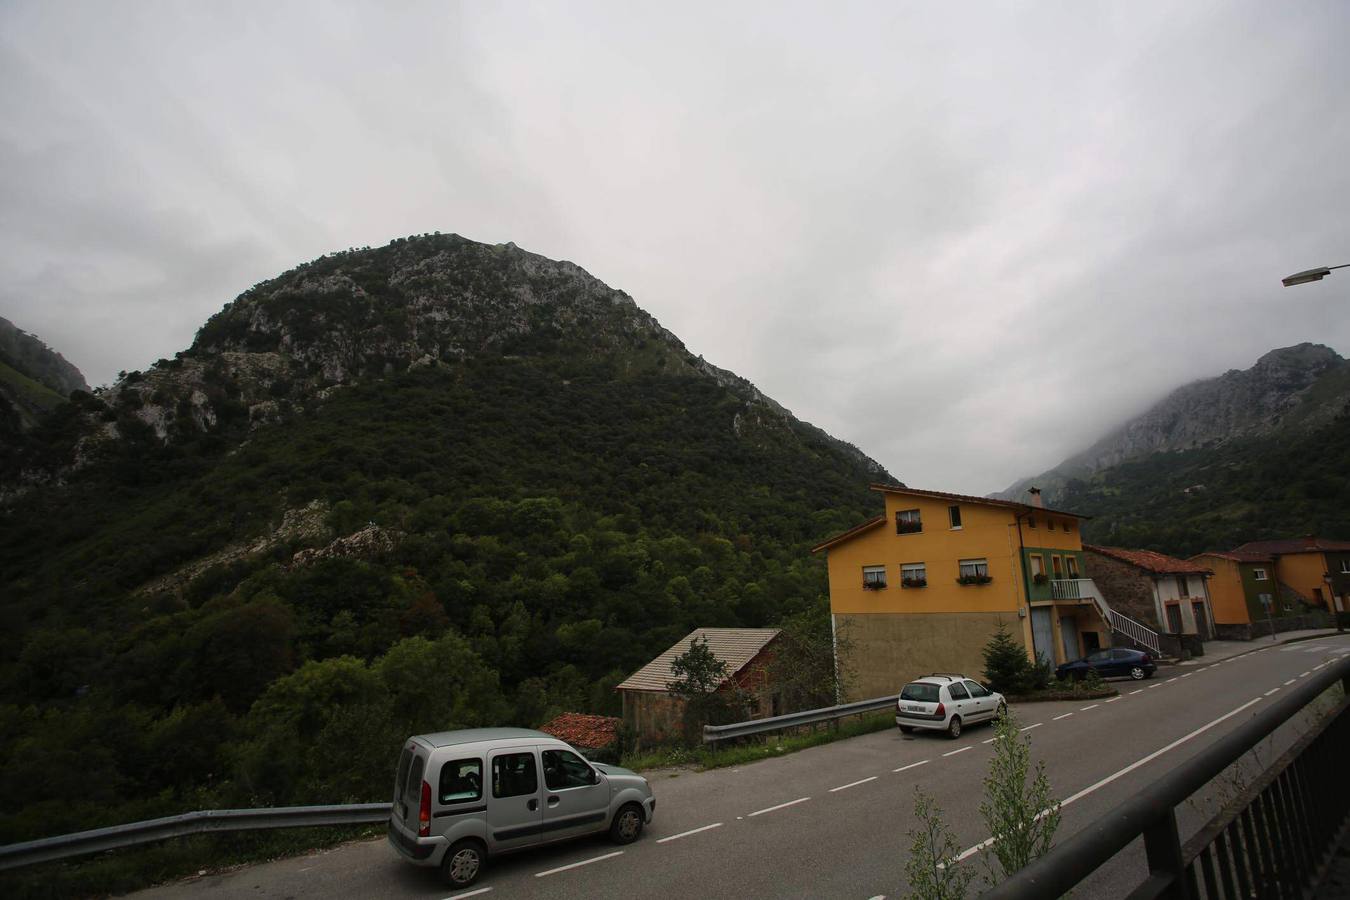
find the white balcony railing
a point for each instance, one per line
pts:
(1086, 589)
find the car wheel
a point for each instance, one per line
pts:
(906, 729)
(463, 863)
(954, 727)
(627, 824)
(1138, 673)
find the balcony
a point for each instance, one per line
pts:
(1076, 589)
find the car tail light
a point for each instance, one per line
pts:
(424, 813)
(941, 711)
(1147, 659)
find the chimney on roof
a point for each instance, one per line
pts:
(1035, 493)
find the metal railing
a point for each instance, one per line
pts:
(714, 733)
(117, 836)
(1269, 842)
(1135, 631)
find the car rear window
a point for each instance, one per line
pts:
(921, 692)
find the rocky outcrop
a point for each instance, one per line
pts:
(368, 543)
(289, 343)
(1299, 387)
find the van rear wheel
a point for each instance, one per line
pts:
(463, 863)
(627, 824)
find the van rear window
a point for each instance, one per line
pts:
(412, 788)
(401, 779)
(461, 781)
(920, 692)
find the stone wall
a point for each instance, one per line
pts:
(1253, 630)
(1126, 589)
(890, 649)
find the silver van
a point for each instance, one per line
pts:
(463, 796)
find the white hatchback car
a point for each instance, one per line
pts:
(946, 702)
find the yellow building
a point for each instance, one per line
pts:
(924, 587)
(1317, 569)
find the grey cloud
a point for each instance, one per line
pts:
(969, 240)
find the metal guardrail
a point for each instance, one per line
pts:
(714, 733)
(1272, 840)
(117, 836)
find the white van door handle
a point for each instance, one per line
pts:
(552, 801)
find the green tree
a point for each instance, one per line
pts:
(1021, 815)
(1006, 667)
(699, 681)
(931, 868)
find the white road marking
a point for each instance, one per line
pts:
(1140, 691)
(1269, 692)
(1188, 675)
(469, 893)
(1290, 681)
(1037, 725)
(1169, 681)
(1114, 699)
(1057, 718)
(779, 806)
(954, 752)
(1306, 674)
(584, 862)
(990, 741)
(1315, 668)
(844, 787)
(911, 765)
(1093, 706)
(1125, 771)
(1151, 686)
(676, 837)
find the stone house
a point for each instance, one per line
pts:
(655, 714)
(1167, 594)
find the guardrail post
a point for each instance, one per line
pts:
(1162, 844)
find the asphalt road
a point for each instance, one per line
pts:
(832, 821)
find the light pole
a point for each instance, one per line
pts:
(1311, 275)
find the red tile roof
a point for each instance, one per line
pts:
(1307, 544)
(1149, 561)
(583, 730)
(966, 498)
(1242, 556)
(856, 529)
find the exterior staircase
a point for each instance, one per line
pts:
(1136, 634)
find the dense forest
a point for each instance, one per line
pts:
(545, 527)
(1216, 498)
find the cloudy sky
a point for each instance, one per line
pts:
(969, 240)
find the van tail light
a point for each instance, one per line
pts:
(424, 813)
(940, 712)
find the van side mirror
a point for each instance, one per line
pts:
(595, 777)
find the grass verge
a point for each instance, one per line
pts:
(703, 758)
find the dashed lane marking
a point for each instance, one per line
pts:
(922, 762)
(1057, 718)
(1092, 706)
(1125, 771)
(1140, 691)
(469, 893)
(954, 752)
(844, 787)
(989, 741)
(575, 865)
(1114, 699)
(1037, 725)
(676, 837)
(1169, 681)
(1290, 681)
(1306, 674)
(1152, 686)
(779, 806)
(1269, 692)
(1188, 675)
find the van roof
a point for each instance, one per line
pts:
(474, 735)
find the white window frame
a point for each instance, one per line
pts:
(1345, 566)
(912, 571)
(978, 567)
(954, 516)
(911, 517)
(1260, 574)
(874, 571)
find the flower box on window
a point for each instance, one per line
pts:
(974, 579)
(914, 582)
(1040, 578)
(873, 585)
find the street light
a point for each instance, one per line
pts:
(1311, 275)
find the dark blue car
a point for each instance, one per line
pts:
(1111, 663)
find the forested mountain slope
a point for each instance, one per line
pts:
(429, 485)
(33, 380)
